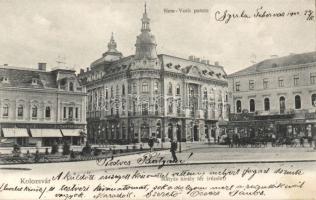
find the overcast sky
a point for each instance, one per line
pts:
(41, 30)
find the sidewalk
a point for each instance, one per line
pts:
(224, 156)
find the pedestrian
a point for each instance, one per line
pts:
(150, 143)
(173, 149)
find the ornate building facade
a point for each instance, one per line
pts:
(133, 98)
(39, 107)
(277, 95)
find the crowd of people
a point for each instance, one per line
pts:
(235, 140)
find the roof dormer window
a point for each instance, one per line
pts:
(71, 86)
(34, 81)
(5, 79)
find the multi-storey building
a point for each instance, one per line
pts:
(147, 95)
(39, 107)
(275, 95)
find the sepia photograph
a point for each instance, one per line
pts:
(169, 100)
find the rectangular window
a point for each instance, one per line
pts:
(77, 113)
(5, 111)
(281, 82)
(65, 112)
(129, 89)
(145, 87)
(296, 80)
(134, 88)
(47, 112)
(265, 83)
(20, 111)
(313, 78)
(70, 113)
(251, 84)
(237, 86)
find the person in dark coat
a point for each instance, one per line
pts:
(173, 149)
(150, 143)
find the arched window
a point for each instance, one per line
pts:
(282, 105)
(252, 105)
(297, 102)
(47, 112)
(20, 111)
(266, 104)
(34, 111)
(106, 94)
(178, 89)
(238, 106)
(5, 110)
(212, 95)
(314, 100)
(71, 86)
(170, 88)
(145, 87)
(111, 91)
(144, 108)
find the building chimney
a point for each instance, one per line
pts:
(42, 66)
(216, 63)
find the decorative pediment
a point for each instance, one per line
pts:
(194, 71)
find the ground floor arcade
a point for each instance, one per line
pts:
(135, 130)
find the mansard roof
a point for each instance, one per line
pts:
(278, 63)
(23, 78)
(188, 67)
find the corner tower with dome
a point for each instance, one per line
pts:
(133, 98)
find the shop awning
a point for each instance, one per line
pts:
(46, 133)
(71, 132)
(15, 132)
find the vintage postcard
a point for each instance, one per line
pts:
(148, 99)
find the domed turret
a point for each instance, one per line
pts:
(145, 42)
(112, 53)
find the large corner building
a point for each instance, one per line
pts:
(133, 98)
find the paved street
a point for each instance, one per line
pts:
(194, 154)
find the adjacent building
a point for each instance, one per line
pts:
(133, 98)
(277, 95)
(39, 107)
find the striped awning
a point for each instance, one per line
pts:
(46, 133)
(71, 132)
(14, 132)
